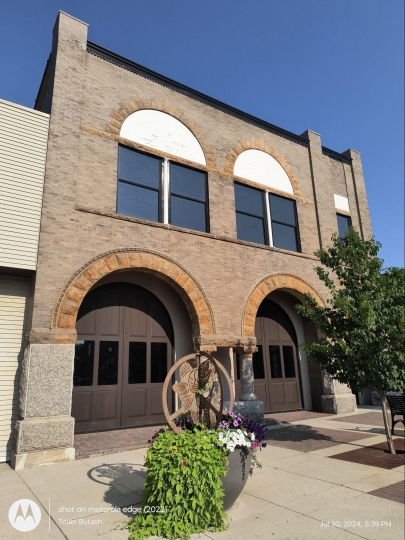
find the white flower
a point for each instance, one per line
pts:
(252, 436)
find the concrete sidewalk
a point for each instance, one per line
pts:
(300, 493)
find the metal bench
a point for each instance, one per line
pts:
(397, 406)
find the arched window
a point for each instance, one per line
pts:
(261, 216)
(159, 189)
(163, 132)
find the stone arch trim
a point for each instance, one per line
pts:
(295, 284)
(259, 144)
(135, 103)
(198, 306)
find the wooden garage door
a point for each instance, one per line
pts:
(13, 298)
(124, 349)
(275, 364)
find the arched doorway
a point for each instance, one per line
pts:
(275, 364)
(123, 351)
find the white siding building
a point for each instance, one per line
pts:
(23, 145)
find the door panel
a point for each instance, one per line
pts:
(123, 353)
(261, 392)
(275, 333)
(291, 392)
(105, 405)
(81, 406)
(136, 403)
(277, 395)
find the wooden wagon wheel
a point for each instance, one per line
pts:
(192, 393)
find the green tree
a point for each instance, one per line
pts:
(363, 321)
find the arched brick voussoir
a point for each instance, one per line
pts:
(197, 304)
(294, 284)
(135, 103)
(253, 144)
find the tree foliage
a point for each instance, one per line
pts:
(363, 321)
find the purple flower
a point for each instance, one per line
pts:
(264, 444)
(235, 423)
(184, 463)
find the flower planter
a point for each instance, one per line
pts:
(235, 479)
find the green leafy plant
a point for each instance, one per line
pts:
(183, 486)
(363, 323)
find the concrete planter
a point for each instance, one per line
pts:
(235, 479)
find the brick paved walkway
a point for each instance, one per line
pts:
(272, 419)
(394, 492)
(307, 438)
(369, 419)
(376, 455)
(110, 442)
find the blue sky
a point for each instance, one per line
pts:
(332, 66)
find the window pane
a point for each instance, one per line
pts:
(108, 363)
(237, 367)
(138, 202)
(139, 168)
(275, 362)
(284, 237)
(158, 362)
(258, 365)
(187, 182)
(137, 363)
(84, 363)
(187, 214)
(250, 228)
(248, 200)
(289, 367)
(282, 210)
(344, 222)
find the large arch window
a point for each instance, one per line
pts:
(157, 189)
(261, 216)
(265, 218)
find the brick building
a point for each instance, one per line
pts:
(170, 220)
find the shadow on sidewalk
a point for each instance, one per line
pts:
(118, 477)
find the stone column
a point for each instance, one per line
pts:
(247, 380)
(45, 428)
(337, 398)
(248, 406)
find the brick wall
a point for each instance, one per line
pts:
(79, 220)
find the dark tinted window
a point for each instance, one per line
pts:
(84, 363)
(187, 182)
(248, 200)
(139, 168)
(289, 367)
(275, 362)
(249, 214)
(344, 222)
(282, 210)
(138, 202)
(250, 228)
(138, 184)
(284, 223)
(258, 364)
(188, 214)
(188, 189)
(158, 360)
(108, 363)
(284, 237)
(137, 363)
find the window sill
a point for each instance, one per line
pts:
(158, 225)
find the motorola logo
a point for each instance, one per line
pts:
(24, 515)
